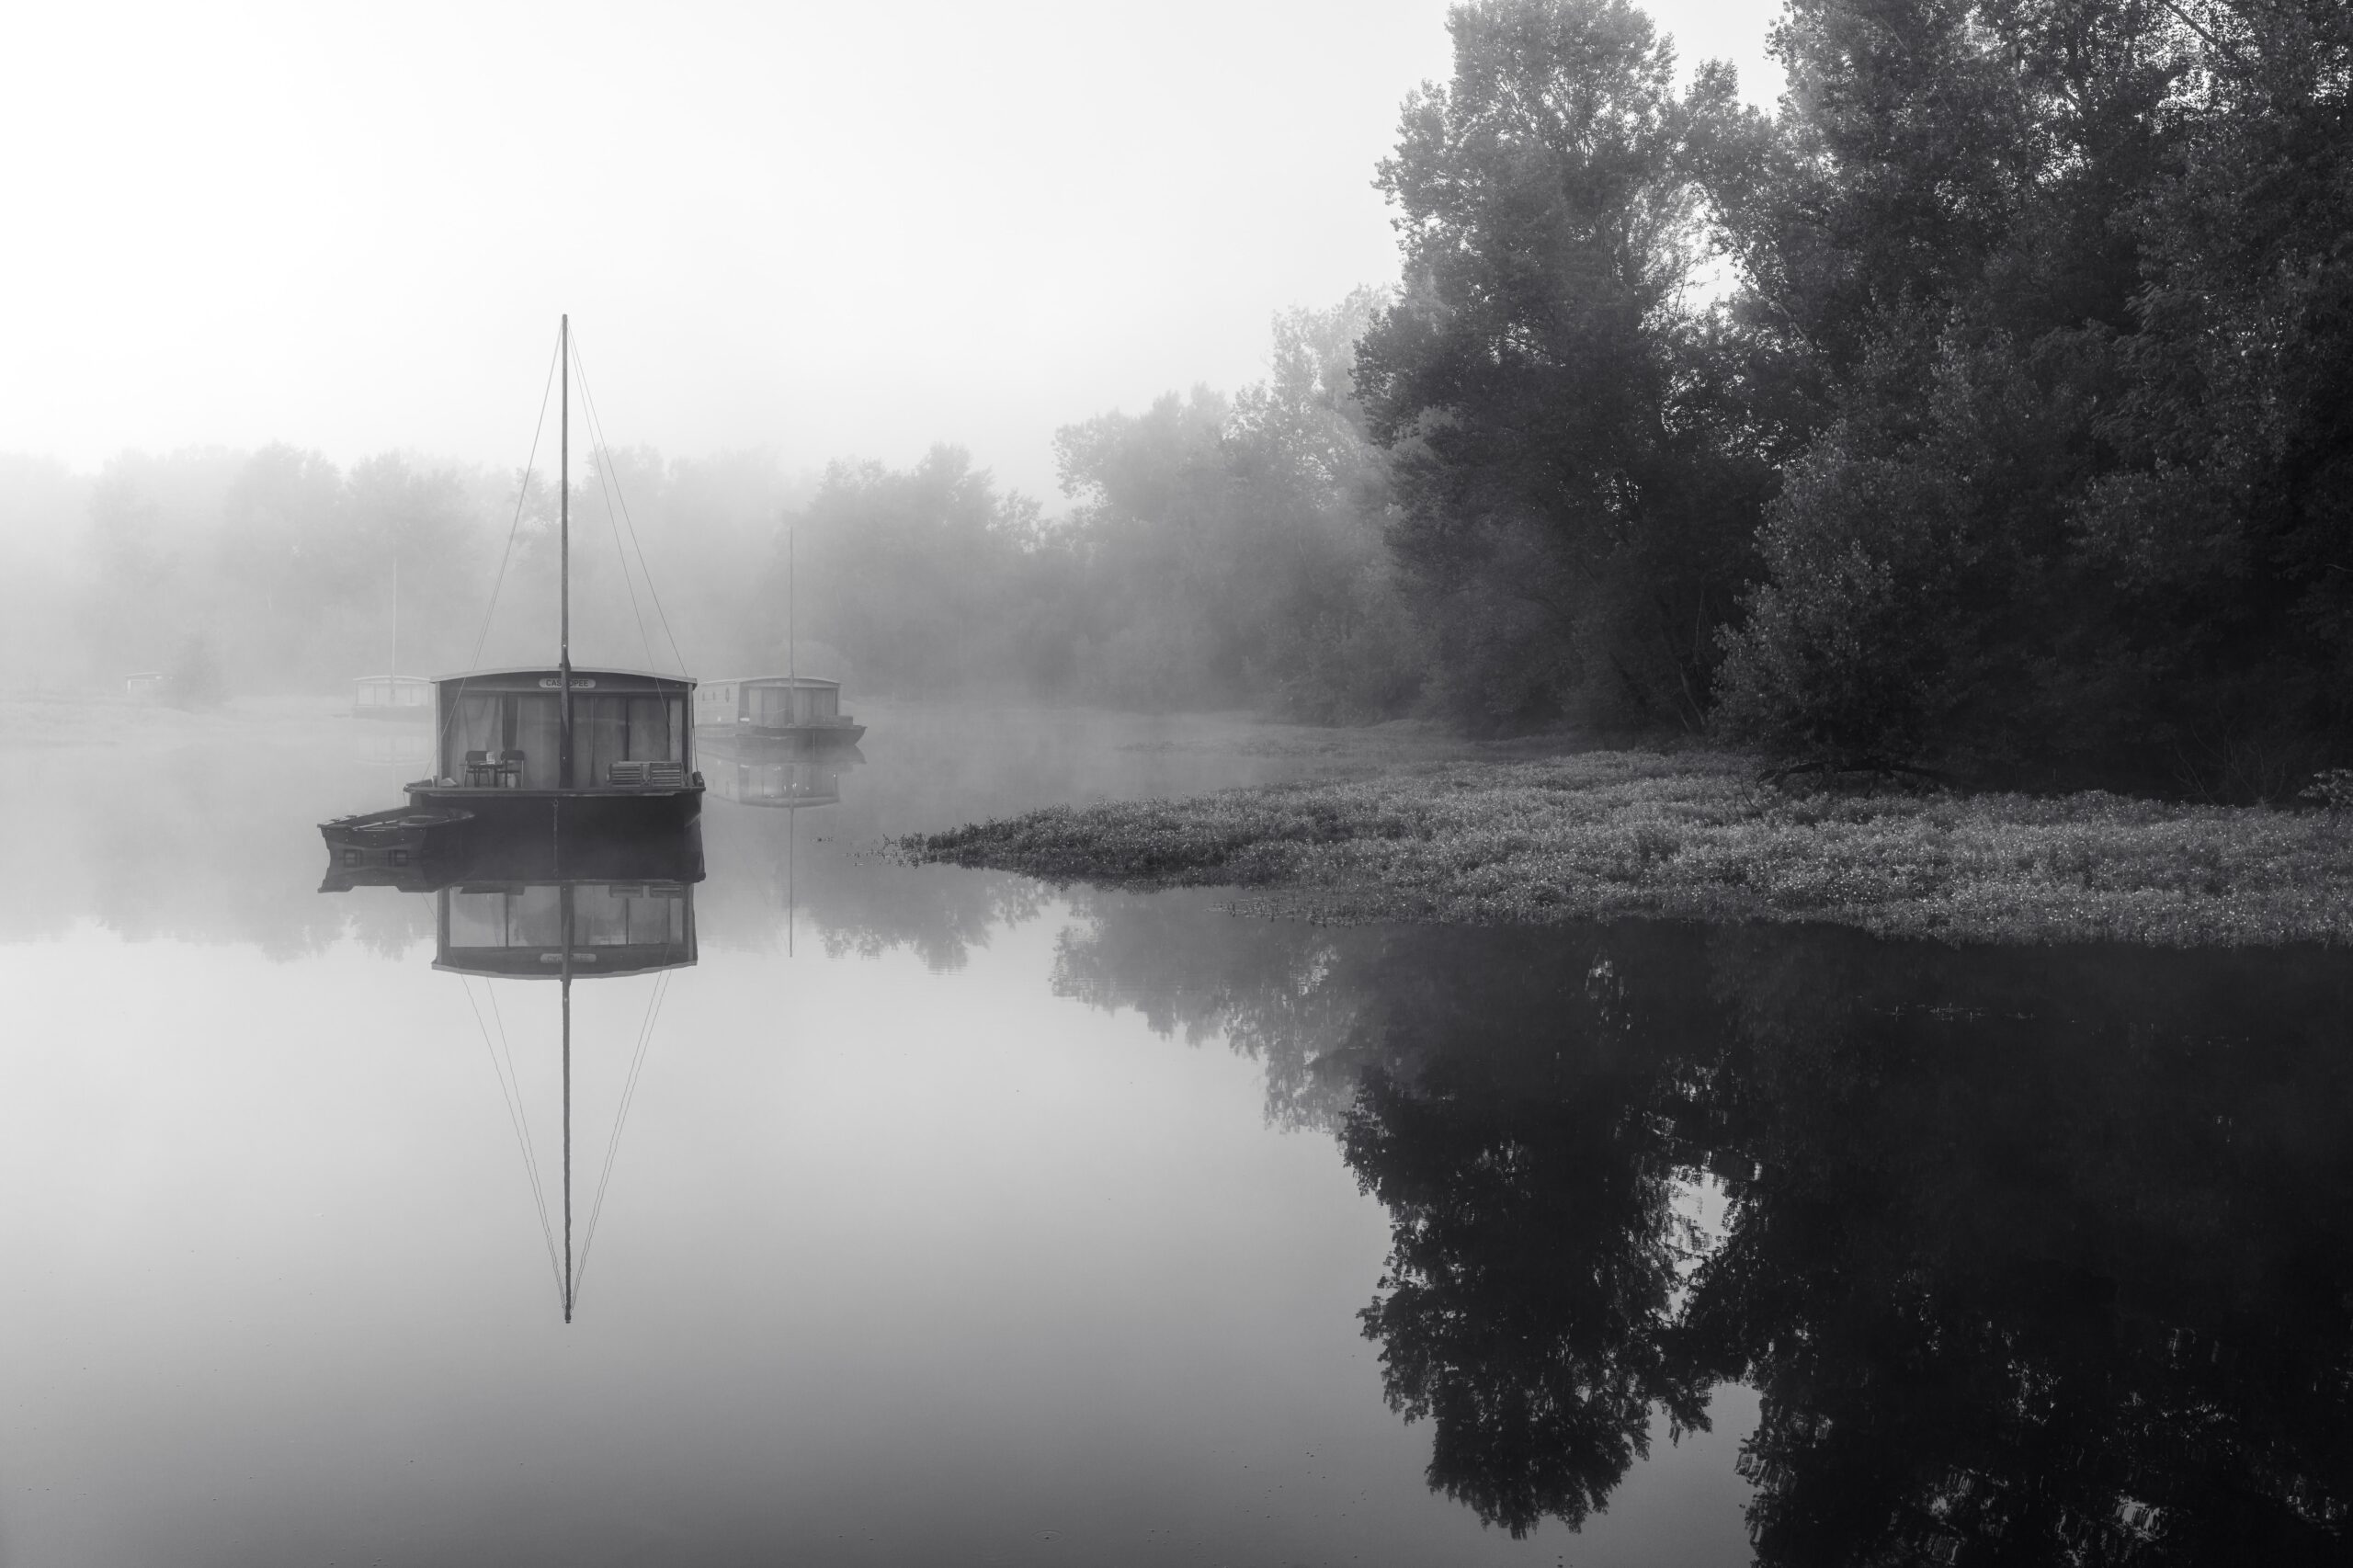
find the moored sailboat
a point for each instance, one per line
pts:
(792, 708)
(591, 750)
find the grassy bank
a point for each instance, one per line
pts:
(1616, 834)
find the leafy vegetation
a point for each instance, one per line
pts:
(1985, 407)
(1615, 834)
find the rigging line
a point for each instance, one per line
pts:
(596, 426)
(456, 720)
(511, 1098)
(523, 1120)
(604, 462)
(522, 495)
(620, 1118)
(595, 420)
(635, 613)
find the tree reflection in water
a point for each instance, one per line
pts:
(2032, 1256)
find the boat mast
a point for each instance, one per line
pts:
(564, 910)
(564, 558)
(395, 668)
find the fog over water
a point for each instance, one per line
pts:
(957, 1216)
(624, 1152)
(833, 231)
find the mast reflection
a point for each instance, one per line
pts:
(787, 774)
(561, 908)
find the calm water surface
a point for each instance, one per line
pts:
(956, 1219)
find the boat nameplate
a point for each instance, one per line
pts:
(555, 683)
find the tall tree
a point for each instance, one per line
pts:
(2072, 274)
(1576, 479)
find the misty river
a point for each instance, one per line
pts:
(956, 1218)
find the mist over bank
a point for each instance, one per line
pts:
(1981, 409)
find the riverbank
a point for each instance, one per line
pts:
(1613, 834)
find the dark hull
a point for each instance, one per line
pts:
(611, 814)
(532, 858)
(407, 845)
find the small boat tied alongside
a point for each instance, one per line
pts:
(404, 841)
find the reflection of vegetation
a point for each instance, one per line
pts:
(1528, 1162)
(2032, 1256)
(1611, 834)
(1270, 988)
(2028, 1245)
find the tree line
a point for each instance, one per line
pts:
(1985, 408)
(2015, 443)
(1214, 551)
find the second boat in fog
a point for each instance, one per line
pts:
(776, 708)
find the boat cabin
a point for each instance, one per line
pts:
(504, 730)
(147, 685)
(768, 703)
(542, 931)
(391, 697)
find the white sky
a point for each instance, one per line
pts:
(831, 229)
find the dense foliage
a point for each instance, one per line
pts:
(1987, 407)
(2076, 279)
(1577, 470)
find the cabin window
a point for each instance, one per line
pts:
(537, 729)
(778, 705)
(520, 918)
(645, 727)
(607, 727)
(527, 721)
(476, 722)
(621, 918)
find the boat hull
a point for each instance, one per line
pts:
(394, 847)
(615, 812)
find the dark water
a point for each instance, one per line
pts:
(955, 1219)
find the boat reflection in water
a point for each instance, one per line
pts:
(786, 774)
(543, 906)
(789, 776)
(565, 931)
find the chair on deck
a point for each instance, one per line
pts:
(508, 767)
(480, 769)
